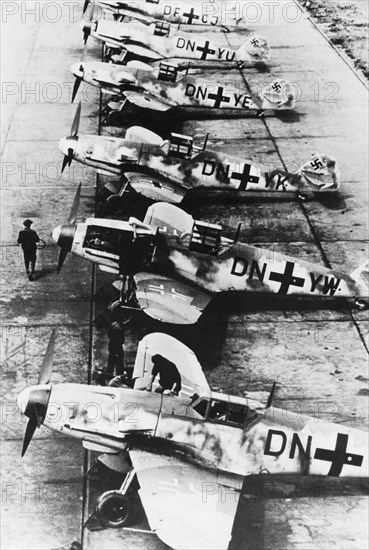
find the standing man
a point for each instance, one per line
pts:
(28, 238)
(116, 337)
(169, 380)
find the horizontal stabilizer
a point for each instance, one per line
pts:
(361, 277)
(155, 188)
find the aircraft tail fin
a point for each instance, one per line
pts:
(256, 48)
(321, 173)
(361, 277)
(279, 95)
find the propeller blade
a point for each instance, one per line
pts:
(30, 430)
(47, 363)
(74, 210)
(76, 86)
(65, 163)
(76, 121)
(63, 254)
(84, 55)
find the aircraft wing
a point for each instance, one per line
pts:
(148, 101)
(193, 378)
(168, 300)
(185, 504)
(155, 187)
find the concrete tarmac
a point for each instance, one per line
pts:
(318, 356)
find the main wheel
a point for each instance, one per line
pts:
(113, 509)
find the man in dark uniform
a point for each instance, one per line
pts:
(28, 239)
(116, 337)
(170, 379)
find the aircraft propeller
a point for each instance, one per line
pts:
(37, 398)
(63, 235)
(89, 18)
(68, 158)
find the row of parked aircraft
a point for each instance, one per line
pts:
(190, 453)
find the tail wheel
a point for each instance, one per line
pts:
(113, 509)
(361, 305)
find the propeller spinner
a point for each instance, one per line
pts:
(33, 401)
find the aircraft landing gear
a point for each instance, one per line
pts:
(361, 304)
(113, 507)
(127, 299)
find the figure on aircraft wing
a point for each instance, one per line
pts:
(168, 169)
(177, 264)
(163, 88)
(189, 451)
(181, 13)
(160, 42)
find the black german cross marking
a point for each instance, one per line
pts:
(205, 50)
(191, 16)
(286, 279)
(339, 456)
(245, 177)
(219, 98)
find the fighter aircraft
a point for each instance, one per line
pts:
(158, 42)
(190, 453)
(172, 265)
(182, 13)
(167, 169)
(163, 88)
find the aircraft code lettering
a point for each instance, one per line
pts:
(223, 173)
(281, 180)
(191, 16)
(241, 266)
(243, 101)
(205, 50)
(329, 284)
(276, 443)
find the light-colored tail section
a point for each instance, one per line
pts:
(256, 49)
(279, 95)
(321, 173)
(361, 277)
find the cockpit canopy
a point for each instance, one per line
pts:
(227, 411)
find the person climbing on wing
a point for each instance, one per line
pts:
(170, 379)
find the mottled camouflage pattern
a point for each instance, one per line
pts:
(140, 40)
(186, 91)
(269, 441)
(203, 169)
(183, 13)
